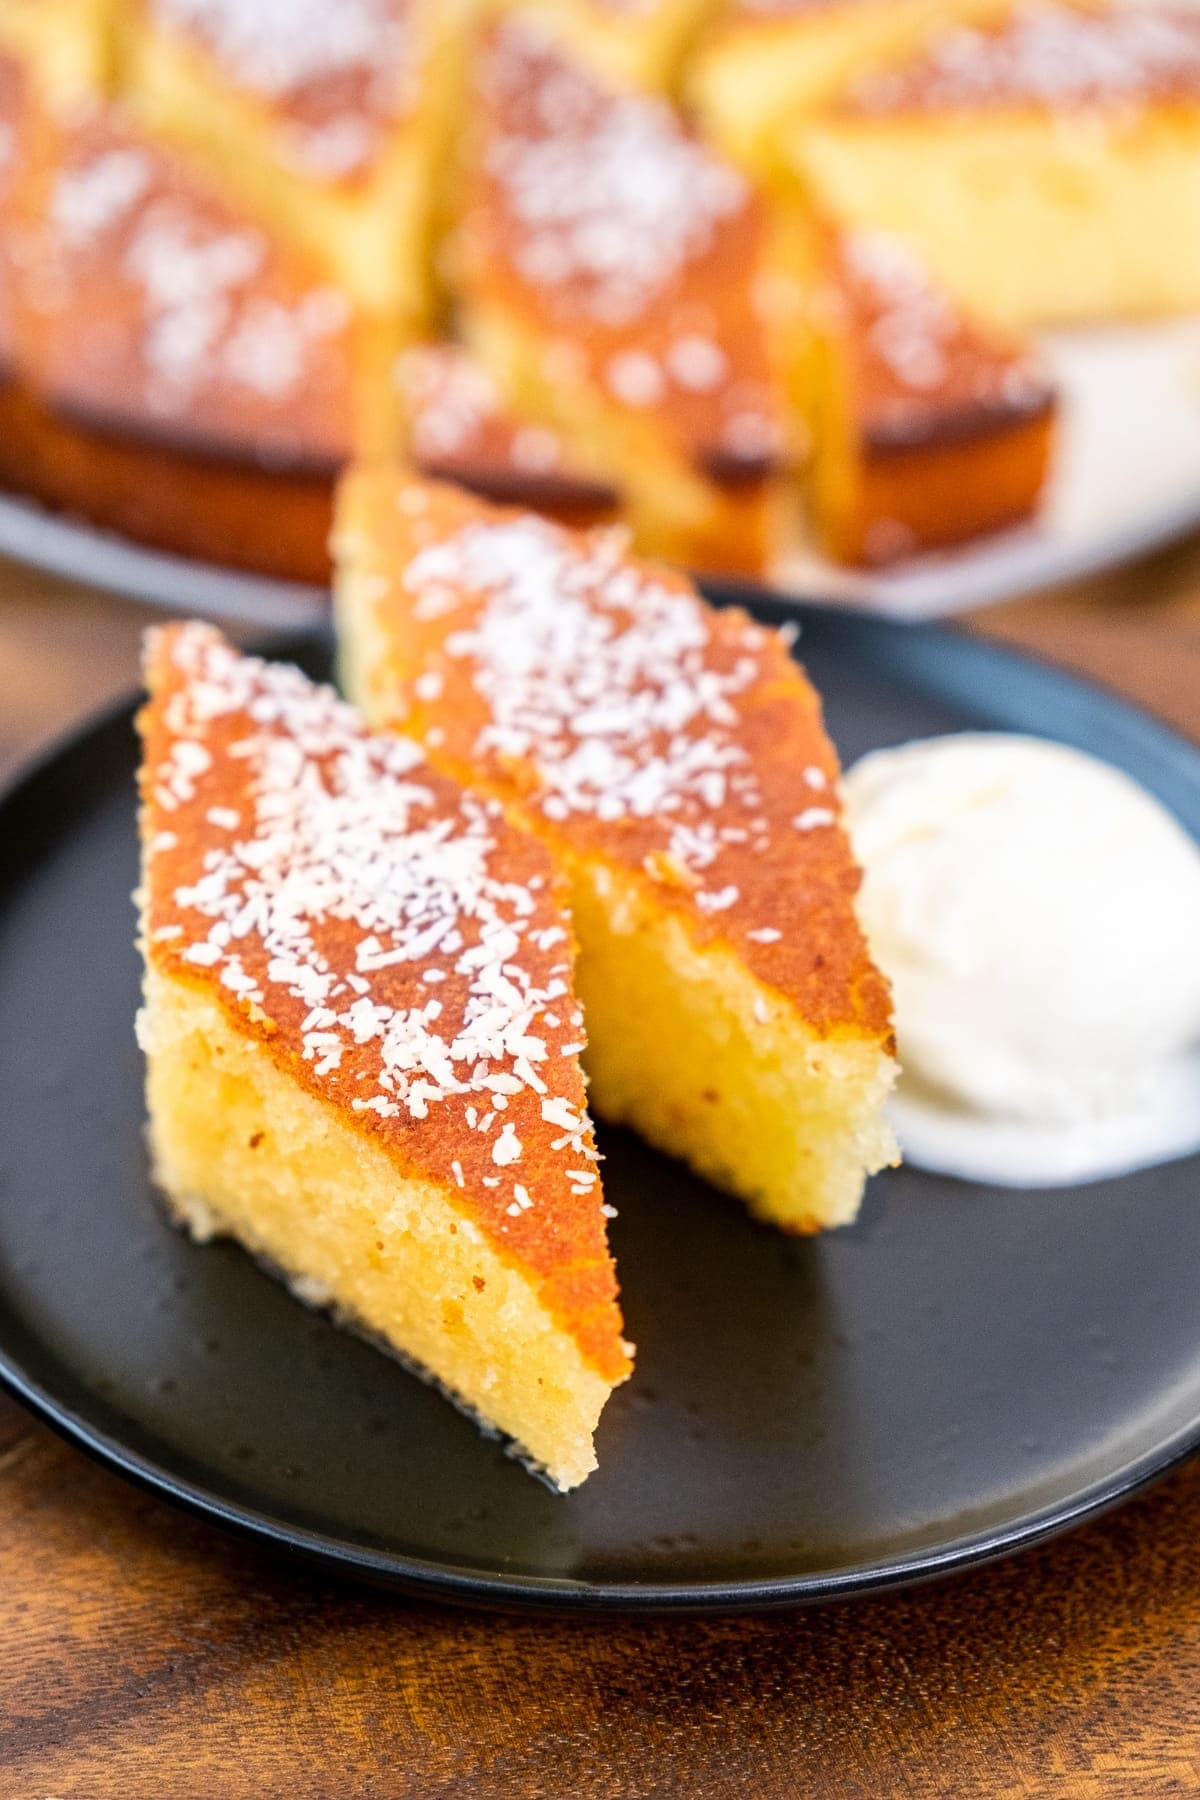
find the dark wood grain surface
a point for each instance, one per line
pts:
(145, 1654)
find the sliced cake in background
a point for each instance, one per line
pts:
(1043, 167)
(606, 269)
(764, 63)
(328, 119)
(197, 325)
(672, 758)
(927, 427)
(456, 426)
(139, 315)
(640, 43)
(362, 1042)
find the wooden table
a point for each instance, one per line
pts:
(143, 1654)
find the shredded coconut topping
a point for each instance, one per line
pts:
(607, 677)
(347, 872)
(89, 200)
(206, 317)
(347, 61)
(450, 399)
(609, 196)
(921, 344)
(1048, 53)
(201, 322)
(455, 410)
(278, 46)
(697, 363)
(913, 321)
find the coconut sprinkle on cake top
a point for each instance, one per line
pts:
(632, 726)
(338, 74)
(392, 933)
(608, 198)
(1049, 55)
(196, 318)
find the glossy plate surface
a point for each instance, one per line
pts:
(962, 1372)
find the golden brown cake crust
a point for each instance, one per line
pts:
(630, 247)
(926, 374)
(273, 521)
(336, 79)
(196, 326)
(458, 428)
(930, 427)
(387, 940)
(1046, 55)
(634, 723)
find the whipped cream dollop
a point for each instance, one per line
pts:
(1038, 914)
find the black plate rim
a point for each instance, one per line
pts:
(457, 1584)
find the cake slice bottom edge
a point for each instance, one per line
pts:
(239, 1150)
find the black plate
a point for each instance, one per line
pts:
(962, 1372)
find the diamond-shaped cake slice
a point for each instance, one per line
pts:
(328, 120)
(929, 426)
(362, 1042)
(606, 269)
(1042, 164)
(763, 63)
(457, 426)
(199, 328)
(672, 758)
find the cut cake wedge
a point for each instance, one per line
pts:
(1043, 166)
(765, 63)
(362, 1042)
(928, 426)
(606, 268)
(199, 327)
(672, 758)
(329, 120)
(457, 426)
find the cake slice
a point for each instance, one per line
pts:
(260, 518)
(672, 759)
(638, 43)
(1043, 167)
(606, 268)
(763, 63)
(329, 120)
(928, 427)
(456, 426)
(362, 1042)
(144, 302)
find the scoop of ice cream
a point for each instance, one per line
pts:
(1039, 916)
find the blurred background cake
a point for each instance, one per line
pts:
(750, 276)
